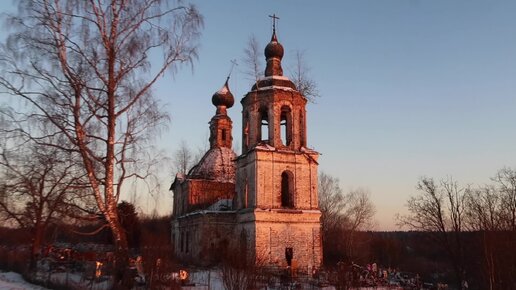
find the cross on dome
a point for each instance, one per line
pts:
(274, 17)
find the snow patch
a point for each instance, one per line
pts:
(309, 150)
(221, 205)
(223, 90)
(265, 147)
(14, 281)
(283, 78)
(276, 87)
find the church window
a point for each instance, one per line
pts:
(286, 126)
(264, 125)
(224, 135)
(287, 195)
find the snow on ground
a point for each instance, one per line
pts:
(14, 281)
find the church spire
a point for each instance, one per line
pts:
(274, 53)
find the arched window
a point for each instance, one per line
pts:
(287, 190)
(264, 125)
(286, 125)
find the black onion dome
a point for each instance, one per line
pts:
(223, 97)
(274, 48)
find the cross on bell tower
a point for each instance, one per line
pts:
(274, 18)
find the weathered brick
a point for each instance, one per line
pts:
(274, 192)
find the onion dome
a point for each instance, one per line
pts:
(223, 97)
(274, 49)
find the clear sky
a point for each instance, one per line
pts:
(409, 88)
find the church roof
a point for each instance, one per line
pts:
(218, 164)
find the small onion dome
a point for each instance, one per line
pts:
(223, 97)
(274, 48)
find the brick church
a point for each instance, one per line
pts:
(262, 204)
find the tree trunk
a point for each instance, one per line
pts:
(36, 246)
(122, 276)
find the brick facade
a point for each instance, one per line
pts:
(274, 211)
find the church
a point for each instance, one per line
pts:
(262, 204)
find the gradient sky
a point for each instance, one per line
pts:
(409, 88)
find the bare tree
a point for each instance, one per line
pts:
(39, 186)
(439, 210)
(505, 182)
(359, 210)
(490, 213)
(239, 273)
(251, 59)
(84, 69)
(357, 215)
(484, 209)
(482, 215)
(183, 158)
(342, 216)
(300, 75)
(331, 201)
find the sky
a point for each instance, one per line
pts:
(409, 88)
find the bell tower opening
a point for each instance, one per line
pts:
(286, 126)
(264, 126)
(287, 190)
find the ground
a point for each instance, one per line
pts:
(14, 281)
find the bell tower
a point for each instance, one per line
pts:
(277, 201)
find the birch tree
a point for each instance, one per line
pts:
(83, 68)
